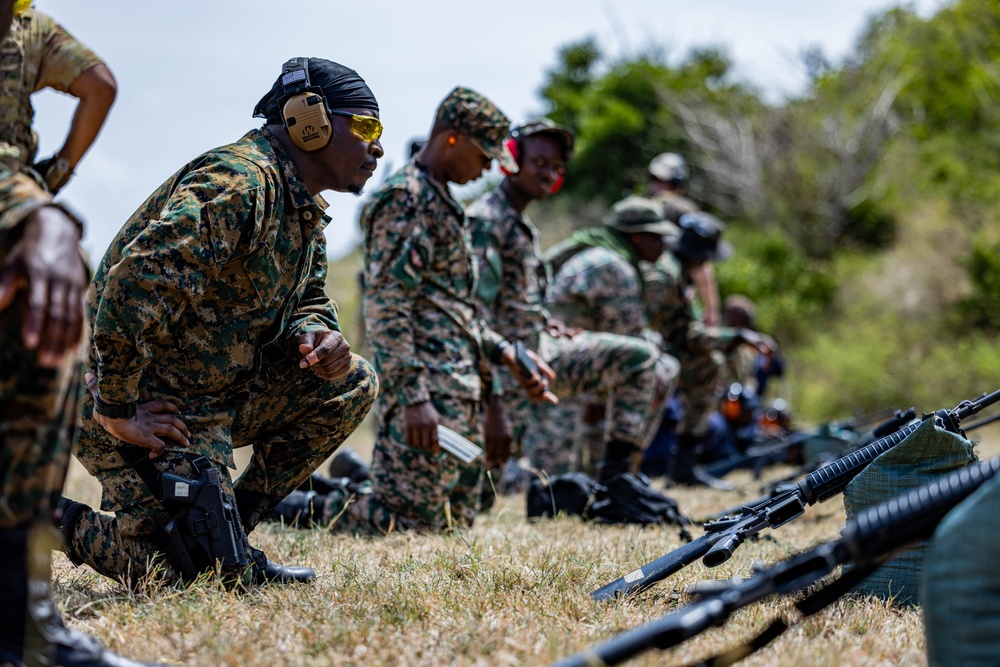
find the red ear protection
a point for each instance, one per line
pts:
(511, 146)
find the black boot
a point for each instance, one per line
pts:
(253, 507)
(348, 463)
(617, 460)
(31, 630)
(298, 509)
(683, 468)
(70, 512)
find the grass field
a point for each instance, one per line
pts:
(506, 592)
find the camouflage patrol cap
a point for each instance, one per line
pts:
(546, 126)
(479, 120)
(637, 214)
(668, 167)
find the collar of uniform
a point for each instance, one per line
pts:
(516, 215)
(296, 188)
(441, 189)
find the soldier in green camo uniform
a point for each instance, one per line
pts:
(38, 54)
(212, 329)
(431, 350)
(688, 338)
(42, 280)
(597, 286)
(628, 370)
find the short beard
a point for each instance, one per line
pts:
(356, 190)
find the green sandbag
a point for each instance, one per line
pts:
(960, 591)
(923, 456)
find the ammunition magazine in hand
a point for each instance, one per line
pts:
(459, 447)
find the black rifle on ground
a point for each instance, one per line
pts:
(772, 450)
(724, 536)
(901, 419)
(867, 541)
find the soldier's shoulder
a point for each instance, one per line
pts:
(403, 189)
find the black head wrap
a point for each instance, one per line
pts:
(341, 86)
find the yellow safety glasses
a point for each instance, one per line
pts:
(367, 128)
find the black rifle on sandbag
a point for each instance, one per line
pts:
(867, 541)
(901, 419)
(724, 536)
(202, 526)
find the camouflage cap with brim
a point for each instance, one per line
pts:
(546, 126)
(636, 214)
(475, 117)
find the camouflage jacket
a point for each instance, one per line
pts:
(512, 277)
(227, 256)
(598, 289)
(674, 205)
(38, 53)
(420, 304)
(671, 313)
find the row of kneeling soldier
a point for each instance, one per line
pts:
(211, 330)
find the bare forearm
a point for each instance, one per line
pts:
(96, 90)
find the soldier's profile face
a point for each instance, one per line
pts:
(541, 165)
(350, 160)
(466, 161)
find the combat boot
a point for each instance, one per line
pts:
(617, 460)
(31, 630)
(348, 463)
(252, 507)
(683, 468)
(297, 510)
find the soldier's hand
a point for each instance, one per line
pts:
(421, 422)
(46, 262)
(154, 422)
(326, 353)
(498, 431)
(537, 387)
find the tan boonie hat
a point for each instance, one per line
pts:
(637, 214)
(479, 120)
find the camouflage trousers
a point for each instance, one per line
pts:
(697, 389)
(413, 489)
(292, 419)
(631, 376)
(39, 410)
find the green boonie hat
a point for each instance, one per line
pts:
(478, 119)
(638, 214)
(546, 126)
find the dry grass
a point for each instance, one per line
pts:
(504, 593)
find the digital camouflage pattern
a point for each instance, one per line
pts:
(477, 118)
(413, 489)
(428, 341)
(38, 53)
(38, 406)
(199, 300)
(627, 371)
(688, 339)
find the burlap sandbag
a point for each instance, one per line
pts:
(923, 456)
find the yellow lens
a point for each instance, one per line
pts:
(367, 127)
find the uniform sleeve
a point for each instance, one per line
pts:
(614, 296)
(167, 265)
(63, 58)
(316, 311)
(486, 248)
(397, 249)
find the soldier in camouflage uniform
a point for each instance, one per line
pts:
(629, 371)
(688, 338)
(431, 350)
(39, 53)
(42, 280)
(597, 286)
(668, 175)
(212, 329)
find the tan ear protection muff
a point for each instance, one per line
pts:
(304, 107)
